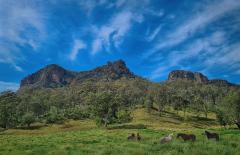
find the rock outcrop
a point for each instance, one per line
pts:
(187, 75)
(196, 77)
(53, 76)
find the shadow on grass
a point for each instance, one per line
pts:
(127, 126)
(35, 127)
(201, 122)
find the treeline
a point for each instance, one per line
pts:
(112, 102)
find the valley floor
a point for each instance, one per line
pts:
(84, 137)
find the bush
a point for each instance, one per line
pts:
(54, 116)
(28, 119)
(76, 113)
(124, 116)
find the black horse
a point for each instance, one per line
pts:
(186, 137)
(138, 137)
(212, 135)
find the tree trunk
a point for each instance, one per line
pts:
(105, 124)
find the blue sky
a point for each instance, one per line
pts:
(153, 37)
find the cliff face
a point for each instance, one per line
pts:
(50, 76)
(197, 77)
(187, 75)
(53, 76)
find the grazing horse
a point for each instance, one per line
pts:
(131, 137)
(212, 135)
(186, 137)
(138, 137)
(166, 139)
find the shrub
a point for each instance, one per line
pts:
(28, 118)
(76, 113)
(54, 116)
(124, 116)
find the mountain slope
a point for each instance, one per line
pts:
(53, 76)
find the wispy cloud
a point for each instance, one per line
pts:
(8, 86)
(77, 46)
(201, 47)
(89, 6)
(153, 35)
(20, 25)
(227, 56)
(208, 14)
(112, 33)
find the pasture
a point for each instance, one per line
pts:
(84, 137)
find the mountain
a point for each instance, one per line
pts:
(187, 75)
(177, 75)
(53, 76)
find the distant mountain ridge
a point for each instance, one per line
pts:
(53, 76)
(197, 77)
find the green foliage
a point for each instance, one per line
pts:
(149, 102)
(124, 116)
(229, 109)
(28, 118)
(9, 102)
(223, 120)
(54, 116)
(76, 113)
(104, 106)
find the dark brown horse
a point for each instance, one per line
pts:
(131, 137)
(186, 137)
(212, 135)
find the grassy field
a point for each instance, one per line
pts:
(83, 137)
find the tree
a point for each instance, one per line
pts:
(149, 102)
(104, 106)
(28, 118)
(54, 116)
(9, 102)
(197, 105)
(230, 108)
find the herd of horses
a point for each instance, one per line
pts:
(185, 137)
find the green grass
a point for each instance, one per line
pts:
(83, 137)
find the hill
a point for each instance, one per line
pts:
(53, 76)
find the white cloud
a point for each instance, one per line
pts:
(209, 14)
(153, 35)
(8, 86)
(20, 25)
(77, 46)
(227, 56)
(201, 47)
(158, 13)
(112, 34)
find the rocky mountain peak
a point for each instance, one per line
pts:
(52, 75)
(197, 77)
(114, 69)
(187, 75)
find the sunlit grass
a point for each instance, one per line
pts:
(84, 137)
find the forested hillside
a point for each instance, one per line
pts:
(108, 94)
